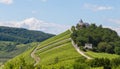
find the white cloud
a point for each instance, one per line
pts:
(117, 21)
(6, 1)
(97, 7)
(35, 24)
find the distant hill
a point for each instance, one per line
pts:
(22, 35)
(9, 49)
(14, 41)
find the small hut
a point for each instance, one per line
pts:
(88, 46)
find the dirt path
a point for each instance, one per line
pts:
(78, 50)
(36, 58)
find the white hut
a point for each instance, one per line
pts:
(88, 46)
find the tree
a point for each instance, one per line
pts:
(73, 28)
(115, 62)
(117, 47)
(81, 41)
(117, 50)
(80, 64)
(102, 46)
(101, 38)
(99, 62)
(105, 47)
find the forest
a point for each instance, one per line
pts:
(21, 35)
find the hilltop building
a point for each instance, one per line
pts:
(82, 24)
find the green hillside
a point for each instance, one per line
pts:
(56, 53)
(14, 41)
(102, 55)
(24, 58)
(9, 50)
(21, 35)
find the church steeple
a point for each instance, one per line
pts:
(81, 21)
(82, 24)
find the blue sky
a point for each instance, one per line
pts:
(55, 16)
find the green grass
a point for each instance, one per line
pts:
(60, 40)
(65, 53)
(54, 45)
(57, 52)
(55, 39)
(101, 55)
(60, 48)
(97, 68)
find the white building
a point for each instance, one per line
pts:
(88, 46)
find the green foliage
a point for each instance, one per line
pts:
(117, 48)
(73, 28)
(81, 64)
(7, 46)
(9, 50)
(56, 60)
(57, 52)
(115, 62)
(19, 64)
(101, 55)
(99, 62)
(95, 35)
(105, 47)
(105, 63)
(21, 35)
(23, 61)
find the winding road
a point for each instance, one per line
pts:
(77, 48)
(35, 57)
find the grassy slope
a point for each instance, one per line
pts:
(101, 55)
(56, 52)
(60, 48)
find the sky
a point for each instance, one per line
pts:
(56, 16)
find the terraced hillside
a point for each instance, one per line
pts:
(54, 53)
(101, 55)
(57, 51)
